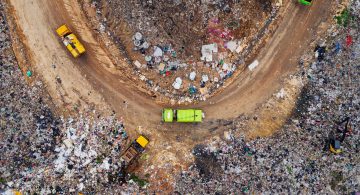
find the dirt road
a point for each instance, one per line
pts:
(93, 79)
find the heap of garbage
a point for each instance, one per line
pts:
(46, 154)
(297, 159)
(185, 40)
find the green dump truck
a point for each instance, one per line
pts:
(182, 115)
(305, 2)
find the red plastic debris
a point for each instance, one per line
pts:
(349, 40)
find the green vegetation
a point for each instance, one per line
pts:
(289, 169)
(144, 157)
(344, 18)
(2, 180)
(337, 178)
(99, 159)
(140, 182)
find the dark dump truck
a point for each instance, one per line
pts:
(136, 148)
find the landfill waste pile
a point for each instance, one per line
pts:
(50, 155)
(184, 50)
(296, 160)
(46, 153)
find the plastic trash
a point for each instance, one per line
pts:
(157, 52)
(192, 90)
(192, 75)
(161, 66)
(337, 47)
(138, 36)
(253, 65)
(231, 45)
(29, 73)
(137, 64)
(320, 52)
(145, 45)
(207, 52)
(158, 59)
(177, 83)
(349, 40)
(205, 78)
(225, 67)
(148, 58)
(137, 43)
(167, 48)
(166, 58)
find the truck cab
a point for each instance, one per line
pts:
(182, 115)
(70, 41)
(335, 146)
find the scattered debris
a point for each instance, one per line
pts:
(28, 73)
(232, 45)
(192, 75)
(320, 52)
(297, 159)
(207, 52)
(46, 154)
(177, 83)
(281, 94)
(253, 65)
(208, 33)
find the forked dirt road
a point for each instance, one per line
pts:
(93, 79)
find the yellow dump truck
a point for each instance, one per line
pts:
(71, 42)
(136, 148)
(11, 192)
